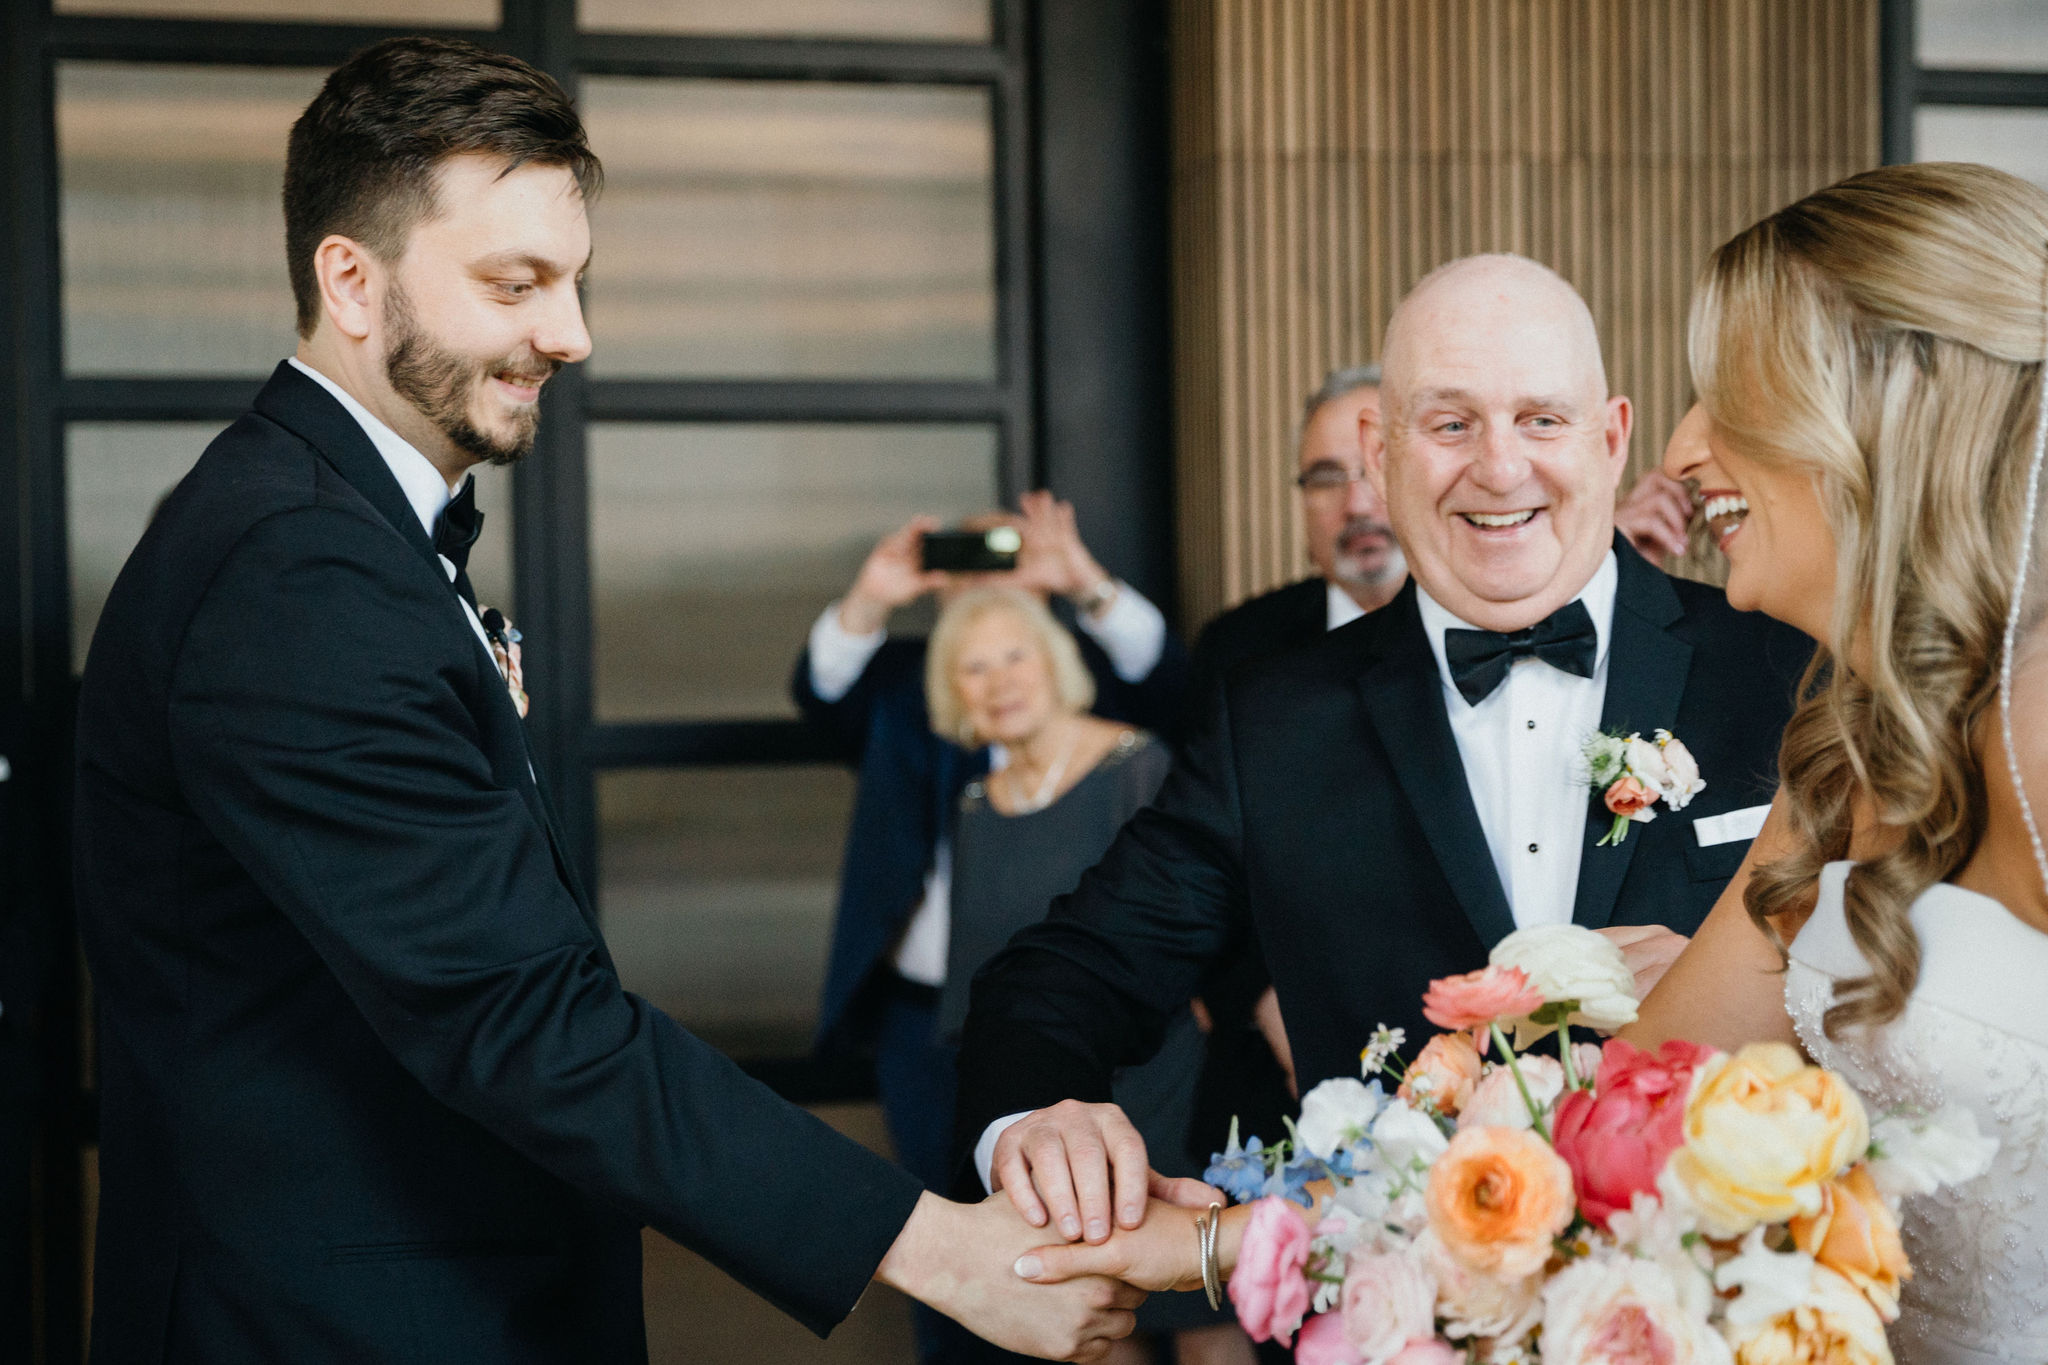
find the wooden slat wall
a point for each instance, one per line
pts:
(1328, 153)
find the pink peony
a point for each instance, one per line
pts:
(1268, 1288)
(1323, 1343)
(1478, 998)
(1617, 1137)
(1389, 1299)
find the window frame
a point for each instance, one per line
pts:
(1906, 85)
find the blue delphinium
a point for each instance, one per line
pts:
(1239, 1172)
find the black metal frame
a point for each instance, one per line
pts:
(1906, 85)
(42, 1136)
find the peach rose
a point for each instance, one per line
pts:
(1763, 1133)
(1478, 998)
(1626, 796)
(1497, 1199)
(1446, 1072)
(1855, 1235)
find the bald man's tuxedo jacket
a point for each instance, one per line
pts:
(1323, 810)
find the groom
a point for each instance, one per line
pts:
(1381, 807)
(371, 1090)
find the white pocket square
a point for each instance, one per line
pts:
(1729, 826)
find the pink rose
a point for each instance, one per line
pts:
(1626, 796)
(1497, 1100)
(1446, 1072)
(1268, 1288)
(1617, 1137)
(1389, 1299)
(1478, 998)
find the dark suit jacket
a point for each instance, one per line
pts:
(910, 785)
(1287, 617)
(1325, 810)
(370, 1088)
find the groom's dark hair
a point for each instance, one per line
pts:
(363, 156)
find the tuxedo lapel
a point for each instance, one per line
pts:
(1647, 666)
(308, 411)
(1403, 695)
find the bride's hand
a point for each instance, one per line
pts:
(1162, 1253)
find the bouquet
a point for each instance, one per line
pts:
(1607, 1205)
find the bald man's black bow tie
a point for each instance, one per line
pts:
(1480, 659)
(460, 524)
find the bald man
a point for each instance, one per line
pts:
(1381, 807)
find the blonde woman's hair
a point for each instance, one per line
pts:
(1071, 679)
(1885, 336)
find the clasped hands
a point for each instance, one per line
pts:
(1075, 1166)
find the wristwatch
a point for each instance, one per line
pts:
(1096, 600)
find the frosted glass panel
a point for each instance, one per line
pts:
(459, 13)
(2013, 140)
(713, 548)
(769, 229)
(172, 233)
(117, 472)
(716, 888)
(2007, 34)
(955, 20)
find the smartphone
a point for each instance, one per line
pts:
(991, 551)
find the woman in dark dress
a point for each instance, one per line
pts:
(1002, 672)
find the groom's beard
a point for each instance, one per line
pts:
(442, 384)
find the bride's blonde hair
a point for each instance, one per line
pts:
(1885, 335)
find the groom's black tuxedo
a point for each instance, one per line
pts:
(1325, 809)
(371, 1090)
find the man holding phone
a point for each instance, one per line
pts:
(865, 692)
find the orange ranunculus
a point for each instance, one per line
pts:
(1446, 1072)
(1763, 1133)
(1626, 796)
(1855, 1235)
(1498, 1197)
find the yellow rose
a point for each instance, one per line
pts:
(1763, 1132)
(1855, 1235)
(1835, 1326)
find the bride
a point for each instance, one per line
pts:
(1869, 363)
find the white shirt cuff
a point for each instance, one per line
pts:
(985, 1150)
(838, 656)
(1132, 632)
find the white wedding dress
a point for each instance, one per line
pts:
(1975, 1033)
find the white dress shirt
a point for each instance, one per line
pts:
(1522, 747)
(1132, 632)
(1342, 608)
(421, 483)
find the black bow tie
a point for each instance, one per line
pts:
(1480, 659)
(459, 526)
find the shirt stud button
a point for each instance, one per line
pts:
(1532, 848)
(1532, 724)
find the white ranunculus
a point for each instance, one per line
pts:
(1402, 1137)
(1684, 771)
(1473, 1304)
(1497, 1101)
(1337, 1114)
(1646, 761)
(1919, 1154)
(1605, 1296)
(1570, 962)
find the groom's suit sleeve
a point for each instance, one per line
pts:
(1092, 986)
(323, 728)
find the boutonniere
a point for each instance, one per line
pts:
(505, 638)
(1631, 774)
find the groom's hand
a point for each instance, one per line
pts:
(961, 1260)
(1067, 1163)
